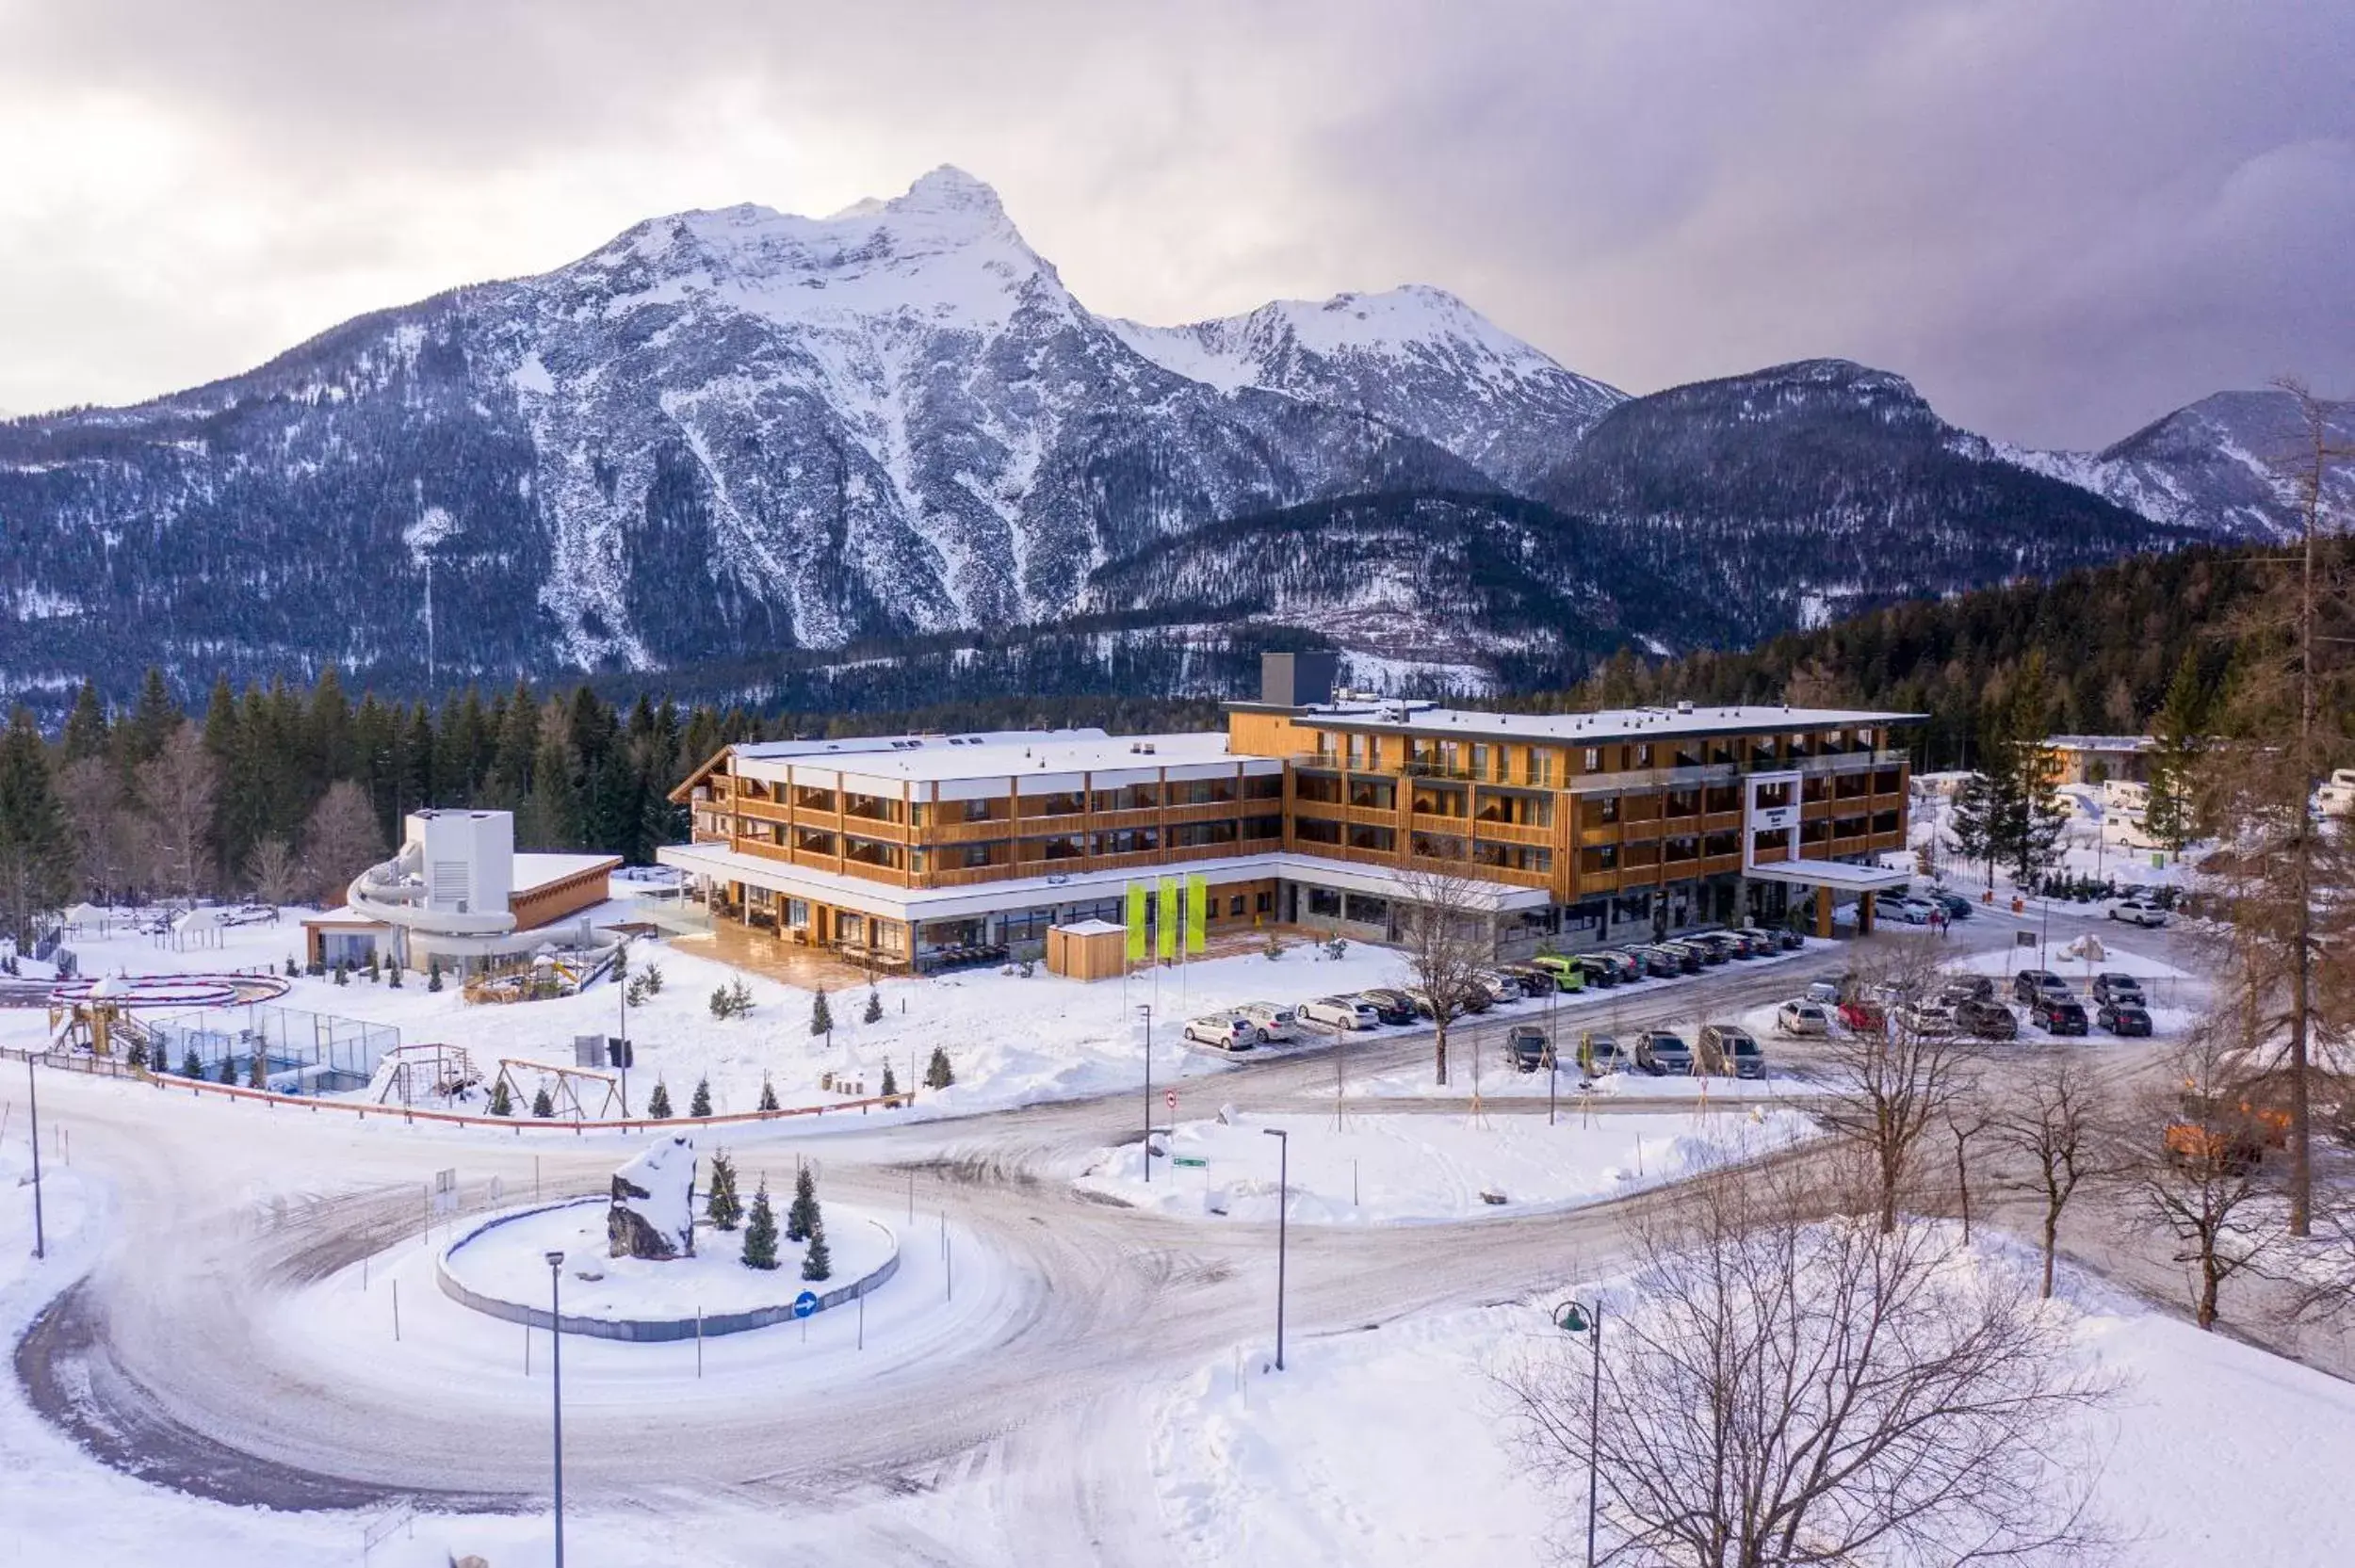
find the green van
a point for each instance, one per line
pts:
(1568, 974)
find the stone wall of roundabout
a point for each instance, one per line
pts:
(462, 1279)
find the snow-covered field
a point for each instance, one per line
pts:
(1391, 1169)
(1389, 1448)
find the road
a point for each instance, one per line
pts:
(164, 1361)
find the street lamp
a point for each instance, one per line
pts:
(556, 1376)
(1554, 1053)
(1283, 1203)
(1576, 1317)
(32, 1084)
(1146, 1009)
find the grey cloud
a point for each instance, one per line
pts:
(2060, 221)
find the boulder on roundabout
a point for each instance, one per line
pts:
(652, 1212)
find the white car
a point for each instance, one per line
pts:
(1928, 1020)
(1223, 1032)
(1273, 1022)
(1801, 1018)
(1912, 911)
(2137, 911)
(1341, 1012)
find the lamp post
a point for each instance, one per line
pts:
(1283, 1204)
(556, 1379)
(1576, 1317)
(32, 1084)
(1553, 1055)
(1146, 1009)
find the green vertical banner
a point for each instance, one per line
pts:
(1197, 915)
(1167, 918)
(1136, 922)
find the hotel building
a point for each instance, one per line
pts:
(1312, 809)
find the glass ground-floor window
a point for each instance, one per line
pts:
(1325, 903)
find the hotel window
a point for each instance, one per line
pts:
(1234, 905)
(1643, 756)
(1540, 766)
(1593, 763)
(1357, 758)
(1480, 760)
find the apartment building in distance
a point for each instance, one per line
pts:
(1313, 809)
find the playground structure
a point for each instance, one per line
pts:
(101, 1016)
(564, 1092)
(408, 1073)
(544, 976)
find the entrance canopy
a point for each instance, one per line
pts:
(1837, 875)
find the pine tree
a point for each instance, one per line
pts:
(768, 1095)
(659, 1104)
(817, 1263)
(739, 997)
(699, 1103)
(137, 1056)
(391, 976)
(801, 1216)
(228, 1070)
(874, 1006)
(2177, 737)
(937, 1073)
(820, 1015)
(890, 1084)
(36, 847)
(433, 975)
(760, 1233)
(189, 1066)
(542, 1105)
(721, 1206)
(502, 1101)
(1970, 823)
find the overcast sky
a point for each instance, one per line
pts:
(2060, 217)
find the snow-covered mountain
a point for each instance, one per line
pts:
(2219, 466)
(740, 436)
(1417, 358)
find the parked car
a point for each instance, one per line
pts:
(1979, 988)
(1394, 1006)
(1527, 1049)
(1341, 1012)
(2124, 1018)
(1716, 946)
(2137, 911)
(1927, 1020)
(1910, 912)
(1599, 1053)
(1693, 955)
(1566, 974)
(1780, 938)
(1631, 969)
(2110, 987)
(2029, 984)
(1863, 1015)
(1597, 969)
(1533, 980)
(1274, 1020)
(1730, 1052)
(1222, 1032)
(1826, 988)
(2057, 1014)
(1661, 962)
(1986, 1020)
(1802, 1019)
(1954, 904)
(1660, 1053)
(1501, 988)
(1475, 1000)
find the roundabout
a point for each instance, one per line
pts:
(500, 1268)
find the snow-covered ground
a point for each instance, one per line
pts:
(1389, 1446)
(1392, 1168)
(1011, 1040)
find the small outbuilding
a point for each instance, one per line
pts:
(1087, 950)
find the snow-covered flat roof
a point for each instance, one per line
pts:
(1046, 759)
(2100, 742)
(1590, 728)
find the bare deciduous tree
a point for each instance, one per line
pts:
(341, 839)
(272, 871)
(1890, 1086)
(179, 784)
(2047, 1123)
(103, 849)
(1780, 1389)
(2191, 1163)
(1444, 931)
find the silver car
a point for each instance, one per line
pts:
(1275, 1022)
(1799, 1019)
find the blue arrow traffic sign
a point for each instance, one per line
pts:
(804, 1303)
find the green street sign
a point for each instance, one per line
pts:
(1190, 1162)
